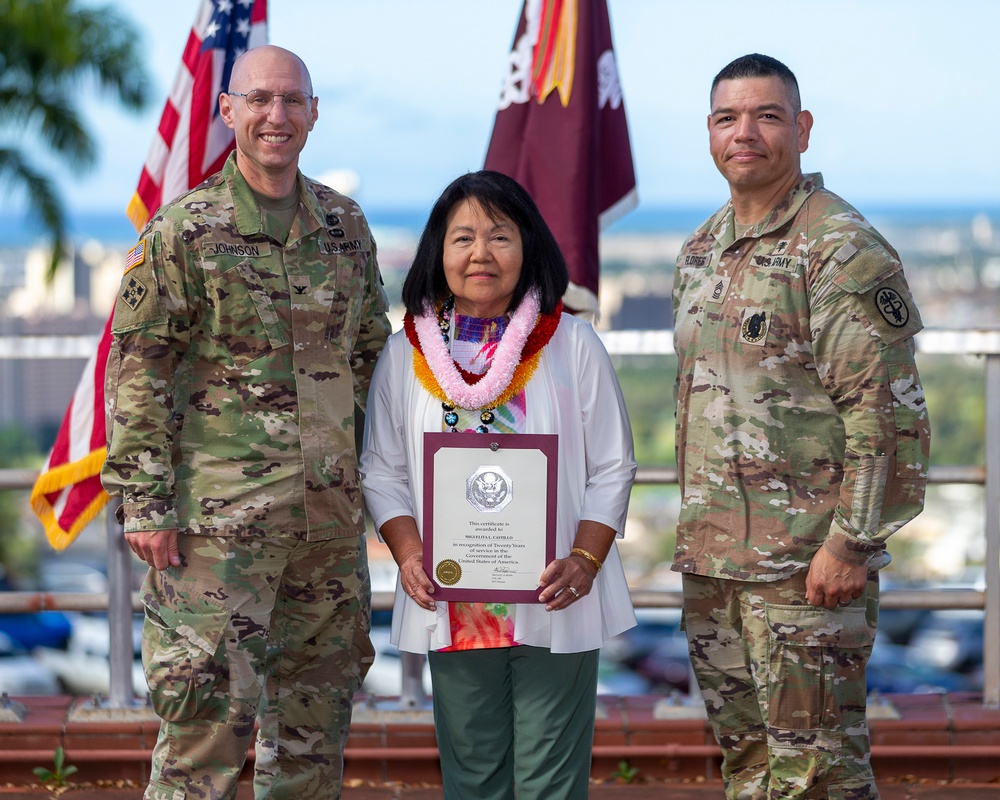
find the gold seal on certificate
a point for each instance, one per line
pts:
(489, 535)
(448, 572)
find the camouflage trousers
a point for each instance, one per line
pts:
(268, 630)
(784, 686)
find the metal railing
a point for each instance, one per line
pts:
(120, 602)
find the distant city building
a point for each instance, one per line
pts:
(35, 392)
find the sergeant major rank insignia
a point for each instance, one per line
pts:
(717, 289)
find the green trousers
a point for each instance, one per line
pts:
(514, 722)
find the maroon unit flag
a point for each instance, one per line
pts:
(191, 143)
(561, 131)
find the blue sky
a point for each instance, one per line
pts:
(903, 93)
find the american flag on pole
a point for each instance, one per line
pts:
(561, 131)
(191, 143)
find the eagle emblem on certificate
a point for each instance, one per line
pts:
(489, 489)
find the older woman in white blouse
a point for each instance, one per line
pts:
(514, 685)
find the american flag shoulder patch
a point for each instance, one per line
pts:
(135, 256)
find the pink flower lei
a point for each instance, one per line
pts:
(484, 392)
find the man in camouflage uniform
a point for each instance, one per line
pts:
(802, 444)
(245, 333)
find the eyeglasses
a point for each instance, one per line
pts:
(260, 101)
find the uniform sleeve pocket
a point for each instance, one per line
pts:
(184, 658)
(874, 277)
(112, 374)
(910, 415)
(345, 309)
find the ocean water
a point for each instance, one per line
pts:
(110, 227)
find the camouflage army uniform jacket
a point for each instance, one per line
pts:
(237, 362)
(801, 421)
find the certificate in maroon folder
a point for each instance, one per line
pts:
(489, 514)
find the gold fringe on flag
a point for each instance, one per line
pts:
(55, 480)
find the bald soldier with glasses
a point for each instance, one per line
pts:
(244, 337)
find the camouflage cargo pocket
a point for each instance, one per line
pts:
(184, 657)
(817, 658)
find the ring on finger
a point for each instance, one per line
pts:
(572, 590)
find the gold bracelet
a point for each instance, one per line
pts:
(579, 551)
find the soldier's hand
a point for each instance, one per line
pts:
(156, 548)
(832, 582)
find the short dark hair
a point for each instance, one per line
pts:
(543, 267)
(756, 65)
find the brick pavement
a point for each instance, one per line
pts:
(659, 790)
(925, 747)
(701, 790)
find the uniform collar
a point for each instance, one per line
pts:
(723, 226)
(250, 220)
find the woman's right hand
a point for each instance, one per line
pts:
(415, 581)
(401, 535)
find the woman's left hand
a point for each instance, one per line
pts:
(566, 580)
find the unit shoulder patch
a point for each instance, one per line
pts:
(138, 303)
(891, 310)
(133, 291)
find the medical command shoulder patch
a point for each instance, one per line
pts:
(892, 306)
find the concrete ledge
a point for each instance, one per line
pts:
(927, 739)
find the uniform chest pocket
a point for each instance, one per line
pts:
(241, 318)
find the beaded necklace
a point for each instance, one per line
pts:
(486, 333)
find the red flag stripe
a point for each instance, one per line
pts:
(168, 125)
(547, 37)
